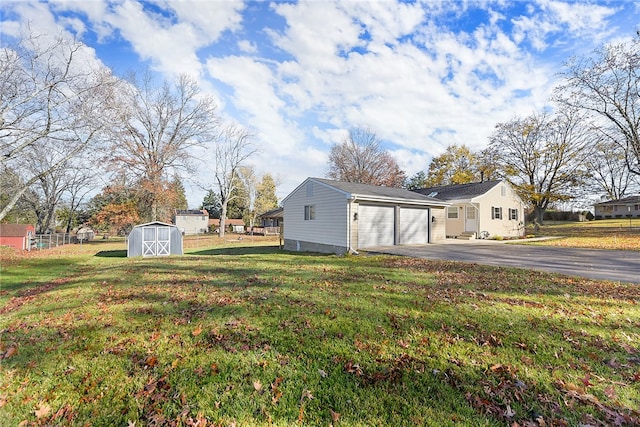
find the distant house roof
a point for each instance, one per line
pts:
(15, 230)
(459, 191)
(198, 212)
(377, 193)
(274, 213)
(631, 200)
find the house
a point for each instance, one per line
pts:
(19, 236)
(481, 209)
(192, 221)
(272, 218)
(154, 239)
(322, 215)
(628, 207)
(270, 222)
(236, 225)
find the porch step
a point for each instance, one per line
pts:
(467, 235)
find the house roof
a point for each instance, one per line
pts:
(459, 191)
(198, 212)
(378, 193)
(273, 213)
(15, 230)
(631, 200)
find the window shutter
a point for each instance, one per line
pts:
(493, 212)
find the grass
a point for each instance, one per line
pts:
(620, 234)
(245, 334)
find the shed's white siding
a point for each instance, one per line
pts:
(330, 224)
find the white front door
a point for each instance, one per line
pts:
(470, 223)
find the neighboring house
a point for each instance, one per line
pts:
(620, 208)
(322, 215)
(192, 221)
(270, 222)
(236, 225)
(19, 236)
(154, 239)
(272, 218)
(481, 209)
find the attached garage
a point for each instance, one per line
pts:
(322, 215)
(154, 239)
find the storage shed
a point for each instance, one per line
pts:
(154, 239)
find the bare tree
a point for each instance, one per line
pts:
(232, 147)
(542, 156)
(607, 85)
(49, 95)
(160, 126)
(608, 167)
(360, 158)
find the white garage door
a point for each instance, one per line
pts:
(376, 226)
(414, 226)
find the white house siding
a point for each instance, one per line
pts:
(504, 227)
(328, 231)
(192, 224)
(438, 224)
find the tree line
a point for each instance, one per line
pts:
(67, 123)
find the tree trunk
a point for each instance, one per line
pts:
(223, 217)
(539, 214)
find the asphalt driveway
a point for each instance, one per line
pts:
(623, 266)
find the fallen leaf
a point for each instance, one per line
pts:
(11, 351)
(322, 373)
(335, 416)
(197, 331)
(257, 385)
(43, 410)
(151, 361)
(306, 394)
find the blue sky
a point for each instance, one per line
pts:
(422, 75)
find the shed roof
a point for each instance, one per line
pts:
(15, 230)
(376, 193)
(459, 191)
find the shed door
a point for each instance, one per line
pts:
(155, 241)
(376, 226)
(414, 226)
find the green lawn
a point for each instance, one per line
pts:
(250, 335)
(620, 234)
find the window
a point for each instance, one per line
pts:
(496, 213)
(513, 214)
(309, 212)
(452, 212)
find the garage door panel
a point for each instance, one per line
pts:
(414, 226)
(376, 226)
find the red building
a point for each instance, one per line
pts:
(17, 236)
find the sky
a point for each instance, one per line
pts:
(422, 75)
